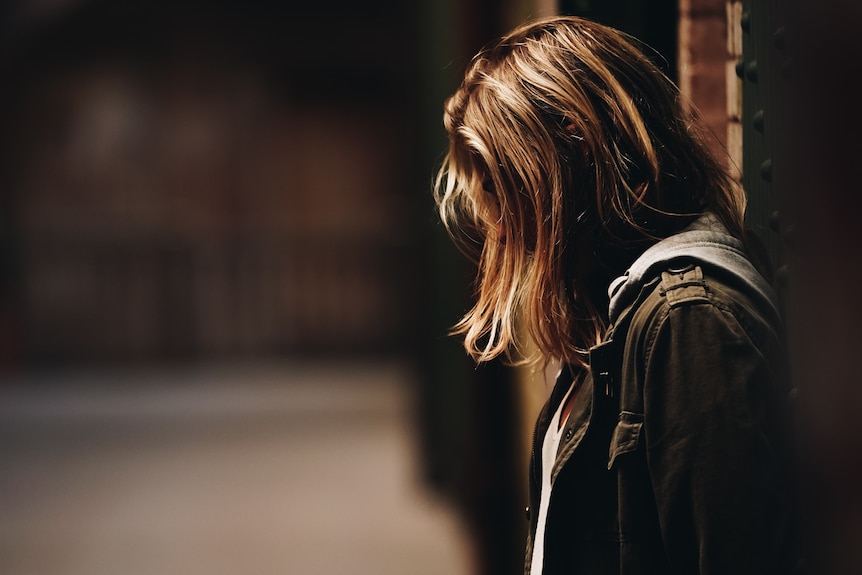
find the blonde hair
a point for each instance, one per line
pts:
(569, 153)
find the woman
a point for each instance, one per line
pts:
(609, 238)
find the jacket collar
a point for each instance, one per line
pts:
(705, 240)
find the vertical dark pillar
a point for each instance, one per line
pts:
(765, 77)
(468, 413)
(824, 121)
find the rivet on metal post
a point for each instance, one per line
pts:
(757, 121)
(779, 38)
(751, 71)
(745, 21)
(766, 170)
(775, 221)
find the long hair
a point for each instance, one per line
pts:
(569, 153)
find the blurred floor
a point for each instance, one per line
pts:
(252, 469)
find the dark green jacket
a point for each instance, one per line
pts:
(677, 456)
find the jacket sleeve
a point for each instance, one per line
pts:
(719, 485)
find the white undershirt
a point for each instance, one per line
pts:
(549, 456)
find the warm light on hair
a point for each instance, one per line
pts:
(569, 153)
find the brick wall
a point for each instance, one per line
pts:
(709, 46)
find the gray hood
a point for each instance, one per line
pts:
(705, 240)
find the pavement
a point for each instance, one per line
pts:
(259, 469)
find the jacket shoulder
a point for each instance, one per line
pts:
(692, 283)
(687, 284)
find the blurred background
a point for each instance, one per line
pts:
(224, 293)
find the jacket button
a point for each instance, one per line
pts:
(569, 434)
(527, 512)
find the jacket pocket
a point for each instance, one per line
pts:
(626, 436)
